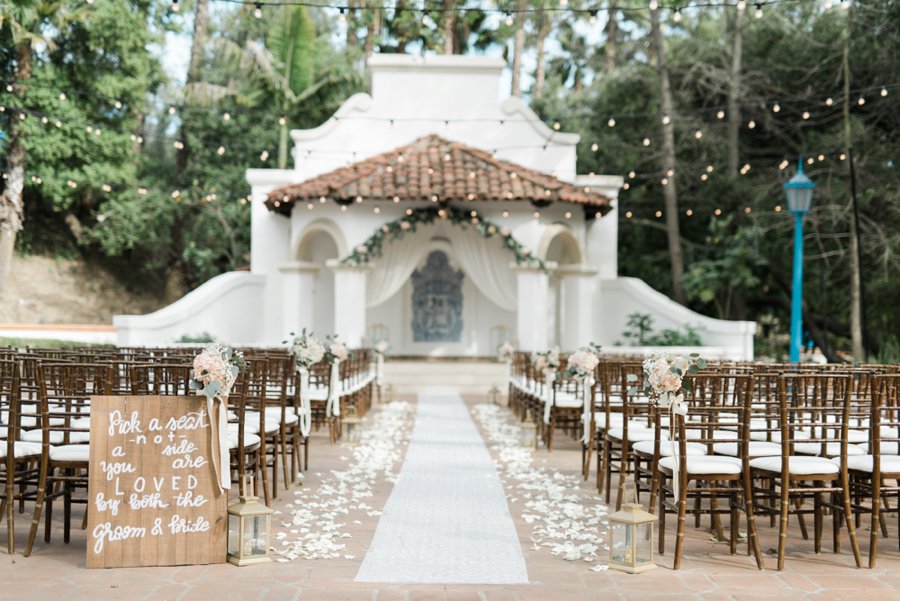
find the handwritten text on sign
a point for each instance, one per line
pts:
(152, 495)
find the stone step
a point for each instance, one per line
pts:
(466, 377)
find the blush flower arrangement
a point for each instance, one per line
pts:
(305, 349)
(215, 371)
(665, 382)
(336, 350)
(584, 361)
(547, 360)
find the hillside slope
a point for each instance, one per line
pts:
(47, 290)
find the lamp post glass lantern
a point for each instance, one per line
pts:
(799, 192)
(249, 529)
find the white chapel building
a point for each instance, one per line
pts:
(436, 216)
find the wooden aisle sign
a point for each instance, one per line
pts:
(152, 493)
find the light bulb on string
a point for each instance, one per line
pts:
(611, 122)
(653, 5)
(776, 108)
(171, 110)
(884, 92)
(805, 115)
(759, 12)
(666, 120)
(751, 124)
(595, 147)
(704, 177)
(829, 101)
(175, 6)
(845, 4)
(592, 19)
(632, 174)
(676, 16)
(861, 101)
(646, 142)
(720, 115)
(698, 134)
(741, 5)
(62, 96)
(257, 12)
(117, 104)
(282, 121)
(509, 19)
(342, 16)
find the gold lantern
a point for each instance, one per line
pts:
(529, 433)
(350, 430)
(631, 539)
(494, 394)
(249, 529)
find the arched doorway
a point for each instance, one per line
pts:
(319, 244)
(560, 246)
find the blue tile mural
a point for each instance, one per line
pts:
(437, 301)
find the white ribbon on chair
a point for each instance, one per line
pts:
(333, 407)
(676, 406)
(379, 368)
(549, 378)
(587, 402)
(304, 413)
(221, 457)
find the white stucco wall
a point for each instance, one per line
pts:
(457, 98)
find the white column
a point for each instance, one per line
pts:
(576, 315)
(349, 302)
(298, 282)
(532, 292)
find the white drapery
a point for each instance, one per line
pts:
(484, 260)
(397, 262)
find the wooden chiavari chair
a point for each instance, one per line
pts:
(713, 402)
(876, 474)
(813, 408)
(565, 407)
(65, 390)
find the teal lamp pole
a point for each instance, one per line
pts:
(799, 191)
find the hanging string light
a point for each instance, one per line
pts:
(257, 11)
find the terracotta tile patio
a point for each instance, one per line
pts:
(55, 571)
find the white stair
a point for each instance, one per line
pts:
(473, 376)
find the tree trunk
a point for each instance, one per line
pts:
(448, 25)
(518, 49)
(12, 202)
(198, 46)
(283, 145)
(670, 192)
(856, 325)
(351, 24)
(372, 31)
(198, 40)
(610, 50)
(734, 92)
(540, 69)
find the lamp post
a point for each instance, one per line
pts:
(799, 192)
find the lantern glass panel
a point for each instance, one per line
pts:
(643, 544)
(234, 535)
(255, 542)
(620, 543)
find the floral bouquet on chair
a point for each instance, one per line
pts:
(547, 360)
(584, 361)
(664, 380)
(306, 350)
(505, 352)
(216, 369)
(336, 350)
(381, 347)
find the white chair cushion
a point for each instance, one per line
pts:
(56, 437)
(695, 434)
(249, 440)
(797, 465)
(665, 448)
(252, 422)
(567, 400)
(890, 464)
(886, 448)
(273, 415)
(755, 448)
(634, 434)
(21, 449)
(775, 436)
(711, 464)
(71, 452)
(318, 393)
(615, 419)
(832, 449)
(82, 423)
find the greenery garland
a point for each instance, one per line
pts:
(372, 248)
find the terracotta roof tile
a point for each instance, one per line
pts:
(434, 169)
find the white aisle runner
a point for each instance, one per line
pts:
(447, 520)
